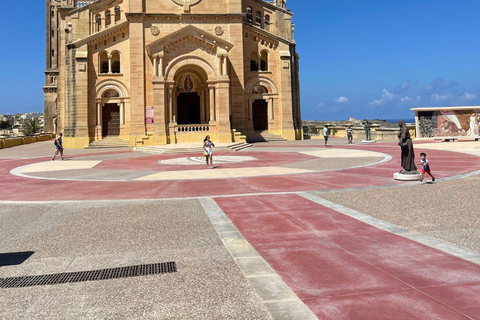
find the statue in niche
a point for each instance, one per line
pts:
(367, 126)
(188, 84)
(406, 144)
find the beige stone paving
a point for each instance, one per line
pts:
(58, 166)
(222, 173)
(465, 147)
(340, 153)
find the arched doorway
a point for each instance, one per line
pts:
(110, 113)
(260, 115)
(190, 89)
(259, 108)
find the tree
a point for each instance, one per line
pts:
(4, 125)
(32, 126)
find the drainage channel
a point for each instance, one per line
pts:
(93, 275)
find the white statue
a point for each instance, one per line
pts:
(473, 124)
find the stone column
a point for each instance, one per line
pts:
(170, 103)
(171, 118)
(212, 103)
(222, 110)
(155, 66)
(120, 106)
(159, 113)
(137, 78)
(224, 65)
(250, 109)
(109, 64)
(99, 113)
(202, 106)
(160, 66)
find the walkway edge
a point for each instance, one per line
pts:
(280, 301)
(466, 254)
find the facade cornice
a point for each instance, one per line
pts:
(188, 31)
(135, 16)
(98, 35)
(265, 34)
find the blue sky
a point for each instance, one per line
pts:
(361, 59)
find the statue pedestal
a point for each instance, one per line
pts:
(368, 141)
(406, 177)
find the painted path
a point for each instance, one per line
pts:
(340, 267)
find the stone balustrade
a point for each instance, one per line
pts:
(192, 128)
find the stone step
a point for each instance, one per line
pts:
(264, 136)
(108, 142)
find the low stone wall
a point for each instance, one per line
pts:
(378, 134)
(13, 142)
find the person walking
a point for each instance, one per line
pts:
(208, 147)
(58, 147)
(326, 133)
(350, 134)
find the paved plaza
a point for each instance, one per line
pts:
(280, 230)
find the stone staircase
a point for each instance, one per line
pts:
(108, 142)
(190, 148)
(264, 136)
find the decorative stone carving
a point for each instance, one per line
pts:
(154, 30)
(218, 30)
(186, 3)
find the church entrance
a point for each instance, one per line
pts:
(188, 108)
(260, 115)
(111, 120)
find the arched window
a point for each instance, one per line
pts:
(264, 61)
(108, 18)
(116, 62)
(253, 61)
(258, 18)
(103, 63)
(249, 14)
(117, 14)
(98, 22)
(267, 22)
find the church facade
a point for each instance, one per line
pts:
(170, 71)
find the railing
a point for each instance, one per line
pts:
(192, 128)
(83, 3)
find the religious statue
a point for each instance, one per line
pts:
(188, 85)
(367, 126)
(406, 144)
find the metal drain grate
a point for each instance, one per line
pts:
(94, 275)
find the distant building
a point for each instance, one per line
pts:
(176, 69)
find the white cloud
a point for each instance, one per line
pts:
(342, 100)
(406, 99)
(441, 97)
(468, 97)
(386, 97)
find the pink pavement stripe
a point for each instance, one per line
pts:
(335, 263)
(444, 164)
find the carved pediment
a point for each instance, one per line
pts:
(205, 40)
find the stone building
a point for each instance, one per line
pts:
(170, 71)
